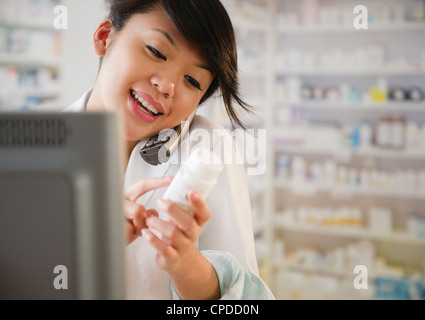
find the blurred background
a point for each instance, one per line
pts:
(344, 113)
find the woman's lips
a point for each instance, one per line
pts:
(151, 101)
(142, 112)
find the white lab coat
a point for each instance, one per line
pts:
(229, 229)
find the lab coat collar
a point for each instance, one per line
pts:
(80, 104)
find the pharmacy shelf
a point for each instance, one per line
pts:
(356, 106)
(339, 191)
(335, 272)
(31, 46)
(354, 232)
(29, 62)
(379, 72)
(32, 25)
(40, 93)
(315, 270)
(345, 153)
(294, 127)
(349, 29)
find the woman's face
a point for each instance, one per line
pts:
(150, 73)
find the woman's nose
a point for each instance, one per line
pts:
(164, 85)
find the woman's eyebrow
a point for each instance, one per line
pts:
(166, 35)
(170, 39)
(205, 68)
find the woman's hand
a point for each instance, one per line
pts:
(135, 213)
(174, 241)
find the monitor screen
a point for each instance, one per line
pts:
(61, 209)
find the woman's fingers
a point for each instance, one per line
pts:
(184, 220)
(140, 188)
(201, 209)
(175, 237)
(136, 215)
(152, 213)
(166, 252)
(130, 232)
(168, 232)
(190, 223)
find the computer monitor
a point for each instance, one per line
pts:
(61, 206)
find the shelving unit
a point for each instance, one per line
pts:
(400, 248)
(356, 233)
(299, 48)
(347, 29)
(30, 49)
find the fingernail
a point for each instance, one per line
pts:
(162, 204)
(195, 197)
(145, 234)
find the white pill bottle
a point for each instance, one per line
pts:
(198, 173)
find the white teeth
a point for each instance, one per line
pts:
(149, 113)
(145, 104)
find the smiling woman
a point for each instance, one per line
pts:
(197, 22)
(158, 64)
(159, 61)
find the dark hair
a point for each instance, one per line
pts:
(204, 23)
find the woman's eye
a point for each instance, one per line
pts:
(193, 82)
(156, 53)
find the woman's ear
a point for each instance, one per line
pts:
(101, 37)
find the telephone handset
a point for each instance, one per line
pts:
(159, 148)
